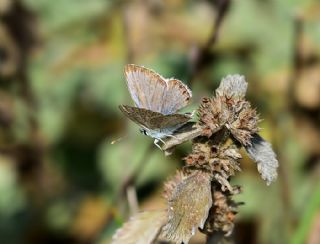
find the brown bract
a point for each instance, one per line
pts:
(221, 162)
(214, 158)
(210, 115)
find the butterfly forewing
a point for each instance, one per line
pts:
(147, 88)
(153, 120)
(151, 91)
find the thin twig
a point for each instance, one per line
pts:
(187, 133)
(200, 60)
(222, 8)
(132, 199)
(127, 34)
(297, 62)
(179, 138)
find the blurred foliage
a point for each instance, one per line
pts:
(61, 179)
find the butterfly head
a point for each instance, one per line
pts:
(143, 131)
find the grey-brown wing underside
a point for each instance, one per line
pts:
(177, 96)
(153, 120)
(146, 87)
(170, 120)
(151, 91)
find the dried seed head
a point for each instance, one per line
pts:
(228, 108)
(221, 162)
(210, 111)
(244, 122)
(221, 215)
(188, 207)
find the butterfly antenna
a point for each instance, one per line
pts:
(118, 140)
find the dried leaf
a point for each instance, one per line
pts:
(171, 184)
(142, 228)
(261, 152)
(233, 86)
(188, 207)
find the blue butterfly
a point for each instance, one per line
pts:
(157, 101)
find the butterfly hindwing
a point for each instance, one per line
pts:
(177, 96)
(153, 120)
(170, 120)
(137, 115)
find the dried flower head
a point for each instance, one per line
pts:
(221, 162)
(244, 122)
(211, 116)
(214, 158)
(222, 214)
(228, 108)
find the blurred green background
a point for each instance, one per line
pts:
(61, 81)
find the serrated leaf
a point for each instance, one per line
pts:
(232, 86)
(142, 228)
(188, 207)
(261, 152)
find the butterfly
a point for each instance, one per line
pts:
(157, 101)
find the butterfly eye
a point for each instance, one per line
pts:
(143, 131)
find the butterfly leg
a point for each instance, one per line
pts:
(155, 142)
(162, 141)
(172, 136)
